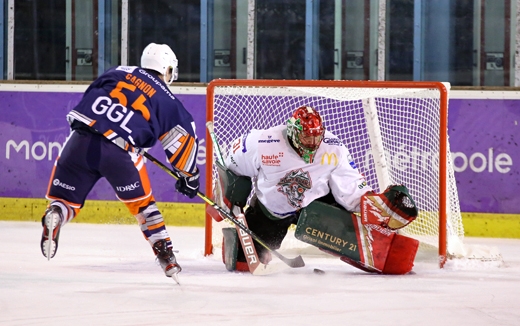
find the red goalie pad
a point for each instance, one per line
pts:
(368, 246)
(399, 259)
(401, 255)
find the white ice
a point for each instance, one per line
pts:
(107, 275)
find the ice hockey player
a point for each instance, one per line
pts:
(124, 111)
(305, 175)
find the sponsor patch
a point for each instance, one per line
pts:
(333, 141)
(272, 160)
(58, 183)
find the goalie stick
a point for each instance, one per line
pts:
(291, 262)
(256, 267)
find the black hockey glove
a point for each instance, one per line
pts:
(188, 186)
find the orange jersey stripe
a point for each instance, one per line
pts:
(71, 204)
(162, 136)
(52, 176)
(182, 140)
(139, 159)
(145, 179)
(187, 152)
(108, 133)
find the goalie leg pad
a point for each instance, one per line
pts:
(230, 245)
(366, 246)
(401, 255)
(230, 248)
(328, 228)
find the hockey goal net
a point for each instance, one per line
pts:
(395, 131)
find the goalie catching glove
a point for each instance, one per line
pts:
(393, 209)
(188, 185)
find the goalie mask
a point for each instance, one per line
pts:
(160, 58)
(305, 131)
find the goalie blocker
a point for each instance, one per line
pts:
(369, 241)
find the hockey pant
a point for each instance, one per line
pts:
(87, 157)
(271, 231)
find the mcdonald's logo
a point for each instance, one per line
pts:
(329, 158)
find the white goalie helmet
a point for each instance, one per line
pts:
(161, 58)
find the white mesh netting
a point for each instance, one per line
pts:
(407, 129)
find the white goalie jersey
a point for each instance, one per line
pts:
(284, 183)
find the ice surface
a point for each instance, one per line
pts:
(107, 275)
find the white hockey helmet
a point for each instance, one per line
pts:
(160, 57)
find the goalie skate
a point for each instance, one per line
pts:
(167, 260)
(51, 222)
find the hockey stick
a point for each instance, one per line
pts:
(253, 261)
(294, 262)
(256, 267)
(214, 140)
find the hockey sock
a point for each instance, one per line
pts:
(153, 226)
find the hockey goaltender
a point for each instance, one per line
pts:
(304, 175)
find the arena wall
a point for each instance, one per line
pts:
(483, 127)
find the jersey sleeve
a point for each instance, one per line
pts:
(347, 184)
(242, 156)
(180, 142)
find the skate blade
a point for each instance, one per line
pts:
(49, 221)
(175, 277)
(50, 249)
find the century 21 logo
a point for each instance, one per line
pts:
(329, 158)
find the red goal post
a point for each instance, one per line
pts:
(399, 128)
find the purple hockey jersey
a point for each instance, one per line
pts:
(133, 107)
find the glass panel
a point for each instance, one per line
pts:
(495, 54)
(464, 58)
(328, 53)
(176, 23)
(59, 40)
(466, 43)
(39, 40)
(228, 35)
(280, 33)
(399, 29)
(110, 54)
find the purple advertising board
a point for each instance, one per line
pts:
(33, 128)
(484, 139)
(484, 136)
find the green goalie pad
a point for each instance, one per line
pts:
(236, 188)
(230, 248)
(329, 228)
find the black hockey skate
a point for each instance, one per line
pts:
(166, 259)
(51, 222)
